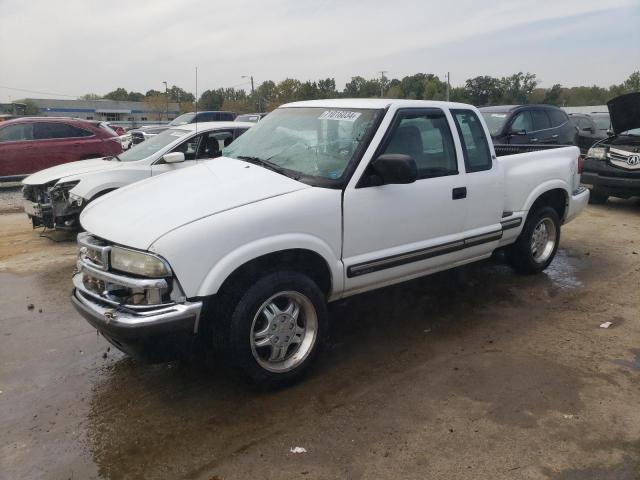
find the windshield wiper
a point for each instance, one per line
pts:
(269, 165)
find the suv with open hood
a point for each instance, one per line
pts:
(612, 165)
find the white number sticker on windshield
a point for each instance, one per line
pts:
(339, 115)
(499, 115)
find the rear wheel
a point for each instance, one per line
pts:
(597, 198)
(276, 328)
(536, 246)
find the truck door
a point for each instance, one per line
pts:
(543, 133)
(522, 122)
(484, 181)
(394, 232)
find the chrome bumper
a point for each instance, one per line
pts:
(123, 323)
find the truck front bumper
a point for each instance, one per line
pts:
(156, 333)
(622, 187)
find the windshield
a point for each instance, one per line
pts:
(495, 121)
(182, 119)
(314, 142)
(152, 145)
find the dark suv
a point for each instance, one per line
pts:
(612, 166)
(29, 144)
(141, 134)
(529, 124)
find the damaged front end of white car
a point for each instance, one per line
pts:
(52, 205)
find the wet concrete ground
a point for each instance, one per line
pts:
(468, 374)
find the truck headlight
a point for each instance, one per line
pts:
(599, 153)
(138, 263)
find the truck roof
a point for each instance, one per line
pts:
(374, 103)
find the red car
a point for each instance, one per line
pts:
(30, 144)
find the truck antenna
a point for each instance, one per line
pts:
(196, 99)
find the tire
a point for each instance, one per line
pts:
(597, 198)
(529, 256)
(269, 341)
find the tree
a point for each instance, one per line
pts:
(178, 95)
(118, 94)
(156, 104)
(266, 94)
(483, 90)
(211, 100)
(152, 92)
(553, 96)
(135, 97)
(327, 88)
(90, 96)
(31, 108)
(360, 87)
(632, 84)
(517, 88)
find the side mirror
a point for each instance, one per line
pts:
(393, 168)
(175, 157)
(515, 131)
(588, 129)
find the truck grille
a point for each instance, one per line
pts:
(624, 159)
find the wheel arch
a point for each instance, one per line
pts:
(304, 254)
(553, 194)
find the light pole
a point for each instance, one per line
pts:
(252, 89)
(382, 72)
(166, 95)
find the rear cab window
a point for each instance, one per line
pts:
(475, 147)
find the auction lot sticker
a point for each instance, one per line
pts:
(345, 115)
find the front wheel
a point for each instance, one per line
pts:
(276, 329)
(538, 242)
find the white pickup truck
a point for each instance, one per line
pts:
(320, 200)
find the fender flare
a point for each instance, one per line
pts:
(543, 188)
(258, 248)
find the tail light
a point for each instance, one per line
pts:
(580, 164)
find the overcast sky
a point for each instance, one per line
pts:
(73, 47)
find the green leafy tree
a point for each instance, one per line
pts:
(483, 90)
(31, 109)
(517, 88)
(553, 96)
(327, 88)
(118, 94)
(632, 84)
(90, 96)
(211, 100)
(135, 97)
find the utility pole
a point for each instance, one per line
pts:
(253, 91)
(382, 72)
(166, 95)
(448, 86)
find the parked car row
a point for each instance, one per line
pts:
(142, 133)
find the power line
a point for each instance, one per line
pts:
(36, 91)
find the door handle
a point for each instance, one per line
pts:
(458, 193)
(533, 140)
(555, 137)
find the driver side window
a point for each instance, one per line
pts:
(522, 121)
(189, 147)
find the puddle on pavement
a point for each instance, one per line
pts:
(633, 364)
(564, 270)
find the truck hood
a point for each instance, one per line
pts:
(69, 169)
(137, 215)
(624, 112)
